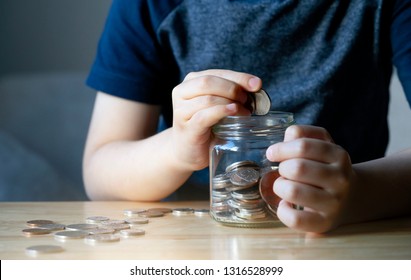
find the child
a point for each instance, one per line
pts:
(193, 63)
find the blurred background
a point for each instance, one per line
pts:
(46, 50)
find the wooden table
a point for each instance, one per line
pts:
(197, 238)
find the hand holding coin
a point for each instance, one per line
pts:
(267, 191)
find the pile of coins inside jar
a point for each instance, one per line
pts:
(244, 193)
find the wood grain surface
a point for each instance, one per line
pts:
(196, 238)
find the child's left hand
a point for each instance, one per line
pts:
(315, 174)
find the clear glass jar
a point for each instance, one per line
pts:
(241, 177)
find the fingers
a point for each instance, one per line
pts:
(308, 148)
(249, 82)
(205, 97)
(304, 195)
(201, 101)
(306, 131)
(326, 176)
(224, 84)
(210, 85)
(193, 106)
(315, 173)
(308, 221)
(313, 162)
(201, 121)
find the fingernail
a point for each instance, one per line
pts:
(232, 107)
(254, 83)
(269, 152)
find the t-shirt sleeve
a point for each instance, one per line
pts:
(130, 63)
(401, 43)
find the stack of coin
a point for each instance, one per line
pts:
(236, 194)
(41, 227)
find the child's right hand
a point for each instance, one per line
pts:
(199, 102)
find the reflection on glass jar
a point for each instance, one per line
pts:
(241, 177)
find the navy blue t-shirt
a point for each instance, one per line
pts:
(328, 62)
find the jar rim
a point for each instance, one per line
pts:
(273, 123)
(289, 117)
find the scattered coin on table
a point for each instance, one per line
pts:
(96, 219)
(36, 223)
(52, 227)
(133, 212)
(35, 231)
(132, 232)
(99, 229)
(70, 234)
(183, 211)
(151, 214)
(81, 226)
(116, 227)
(138, 220)
(101, 238)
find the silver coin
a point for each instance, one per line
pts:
(260, 102)
(234, 188)
(134, 211)
(96, 219)
(112, 222)
(221, 209)
(221, 181)
(220, 199)
(251, 211)
(245, 177)
(36, 223)
(251, 215)
(246, 195)
(43, 249)
(101, 230)
(183, 211)
(220, 204)
(70, 234)
(243, 163)
(151, 214)
(116, 227)
(103, 238)
(237, 204)
(81, 226)
(138, 220)
(132, 232)
(160, 209)
(222, 193)
(52, 227)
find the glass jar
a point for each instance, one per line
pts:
(241, 177)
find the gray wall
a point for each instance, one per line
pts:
(399, 119)
(49, 35)
(46, 49)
